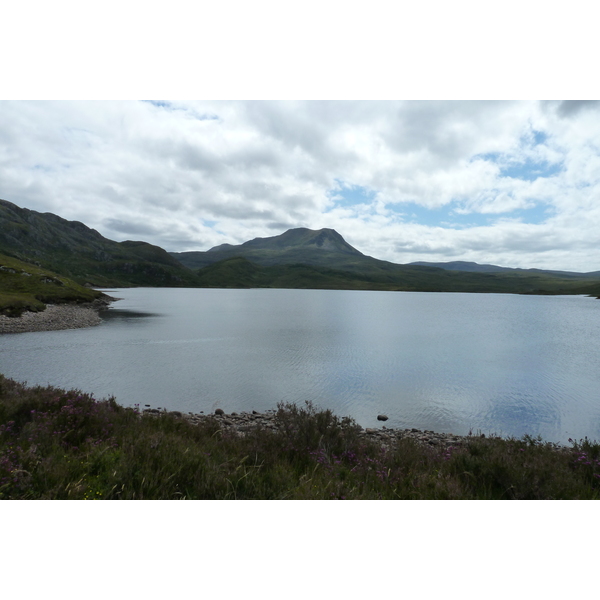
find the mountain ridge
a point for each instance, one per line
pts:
(83, 254)
(473, 267)
(299, 257)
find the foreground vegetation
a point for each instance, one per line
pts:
(57, 444)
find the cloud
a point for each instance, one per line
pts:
(568, 108)
(513, 183)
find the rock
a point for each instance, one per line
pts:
(176, 413)
(382, 417)
(219, 411)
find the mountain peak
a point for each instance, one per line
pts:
(325, 239)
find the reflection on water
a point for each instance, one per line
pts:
(113, 314)
(447, 362)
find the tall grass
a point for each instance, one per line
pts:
(57, 444)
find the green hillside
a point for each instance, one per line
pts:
(25, 286)
(82, 254)
(323, 259)
(301, 258)
(239, 272)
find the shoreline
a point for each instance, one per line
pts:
(57, 317)
(243, 422)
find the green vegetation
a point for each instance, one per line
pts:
(239, 272)
(25, 286)
(303, 258)
(83, 255)
(57, 444)
(298, 258)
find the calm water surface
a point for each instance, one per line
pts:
(502, 364)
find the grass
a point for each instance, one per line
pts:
(57, 444)
(24, 286)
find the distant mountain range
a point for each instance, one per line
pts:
(298, 258)
(472, 267)
(328, 261)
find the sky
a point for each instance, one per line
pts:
(513, 183)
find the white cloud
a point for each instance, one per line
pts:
(190, 175)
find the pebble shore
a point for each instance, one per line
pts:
(241, 423)
(55, 317)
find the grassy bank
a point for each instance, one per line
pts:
(27, 287)
(57, 444)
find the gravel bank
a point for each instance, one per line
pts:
(244, 422)
(56, 316)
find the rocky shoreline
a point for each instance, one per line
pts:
(56, 317)
(241, 423)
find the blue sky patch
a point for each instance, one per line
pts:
(349, 195)
(189, 111)
(530, 170)
(539, 137)
(159, 103)
(447, 217)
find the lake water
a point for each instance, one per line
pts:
(504, 364)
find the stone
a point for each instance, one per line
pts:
(219, 411)
(382, 417)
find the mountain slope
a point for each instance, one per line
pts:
(324, 247)
(472, 267)
(82, 254)
(335, 263)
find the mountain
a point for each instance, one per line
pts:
(472, 267)
(323, 259)
(324, 247)
(72, 249)
(301, 258)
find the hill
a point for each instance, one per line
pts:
(329, 262)
(80, 253)
(459, 265)
(302, 258)
(25, 286)
(324, 247)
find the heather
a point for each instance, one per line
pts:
(58, 444)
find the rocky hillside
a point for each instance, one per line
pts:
(322, 247)
(82, 254)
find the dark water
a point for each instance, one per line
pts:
(503, 364)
